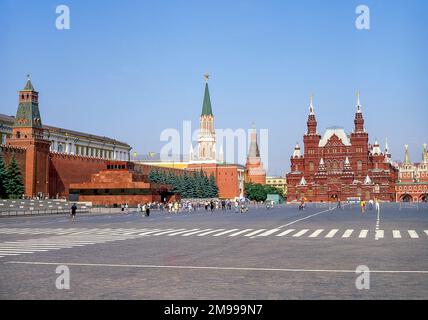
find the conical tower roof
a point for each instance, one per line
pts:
(206, 106)
(28, 85)
(254, 151)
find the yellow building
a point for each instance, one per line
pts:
(279, 183)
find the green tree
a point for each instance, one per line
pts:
(2, 178)
(154, 176)
(259, 192)
(213, 187)
(13, 183)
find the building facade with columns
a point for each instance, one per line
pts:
(51, 158)
(341, 166)
(73, 142)
(412, 184)
(70, 141)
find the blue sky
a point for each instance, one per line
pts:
(129, 69)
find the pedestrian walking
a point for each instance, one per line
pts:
(363, 206)
(73, 211)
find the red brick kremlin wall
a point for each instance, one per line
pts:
(225, 176)
(65, 169)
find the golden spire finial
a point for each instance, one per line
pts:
(206, 76)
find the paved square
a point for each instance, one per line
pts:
(281, 253)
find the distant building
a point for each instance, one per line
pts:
(254, 170)
(340, 166)
(51, 158)
(229, 176)
(412, 184)
(279, 183)
(69, 141)
(121, 182)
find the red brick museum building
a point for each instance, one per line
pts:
(340, 166)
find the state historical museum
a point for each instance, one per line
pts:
(340, 166)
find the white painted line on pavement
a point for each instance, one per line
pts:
(363, 234)
(224, 232)
(347, 233)
(254, 233)
(209, 232)
(149, 232)
(167, 231)
(211, 267)
(267, 233)
(300, 233)
(316, 233)
(194, 232)
(426, 232)
(284, 233)
(379, 234)
(413, 234)
(239, 232)
(181, 232)
(396, 234)
(301, 219)
(331, 233)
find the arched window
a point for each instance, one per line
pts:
(311, 166)
(60, 148)
(359, 165)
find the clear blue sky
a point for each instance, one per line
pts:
(129, 69)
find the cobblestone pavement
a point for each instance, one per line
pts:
(282, 253)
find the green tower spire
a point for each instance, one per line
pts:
(206, 106)
(28, 85)
(28, 114)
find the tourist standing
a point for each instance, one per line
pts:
(73, 211)
(363, 206)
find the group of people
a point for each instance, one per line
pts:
(191, 206)
(372, 203)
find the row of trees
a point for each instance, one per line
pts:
(11, 182)
(189, 185)
(259, 192)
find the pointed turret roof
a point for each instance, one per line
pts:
(347, 165)
(302, 181)
(28, 85)
(406, 155)
(311, 105)
(358, 102)
(206, 106)
(296, 152)
(376, 148)
(254, 151)
(367, 180)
